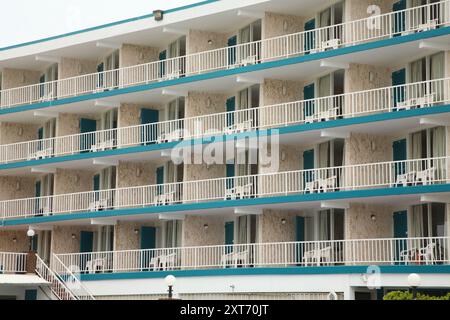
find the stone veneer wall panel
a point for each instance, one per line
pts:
(70, 67)
(69, 124)
(200, 104)
(271, 93)
(197, 41)
(357, 79)
(17, 188)
(275, 25)
(13, 78)
(17, 132)
(134, 174)
(132, 55)
(21, 245)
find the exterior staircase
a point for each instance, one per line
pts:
(63, 284)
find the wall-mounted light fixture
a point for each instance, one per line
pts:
(206, 227)
(136, 231)
(210, 42)
(373, 217)
(285, 25)
(14, 239)
(138, 172)
(158, 14)
(283, 221)
(74, 236)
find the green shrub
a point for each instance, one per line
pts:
(405, 295)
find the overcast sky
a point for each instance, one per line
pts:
(27, 20)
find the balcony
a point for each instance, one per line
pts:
(364, 252)
(393, 174)
(417, 95)
(409, 21)
(15, 263)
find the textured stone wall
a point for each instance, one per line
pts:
(131, 55)
(7, 243)
(124, 236)
(271, 228)
(69, 124)
(275, 25)
(195, 234)
(275, 92)
(72, 181)
(17, 132)
(129, 115)
(363, 148)
(361, 77)
(200, 41)
(17, 187)
(194, 172)
(359, 225)
(13, 78)
(62, 241)
(133, 174)
(69, 67)
(200, 104)
(357, 9)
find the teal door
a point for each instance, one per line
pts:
(231, 107)
(399, 154)
(96, 186)
(308, 94)
(229, 236)
(398, 79)
(310, 37)
(308, 164)
(148, 243)
(300, 237)
(87, 140)
(399, 17)
(31, 294)
(100, 69)
(400, 232)
(86, 246)
(149, 133)
(230, 175)
(160, 179)
(162, 63)
(232, 42)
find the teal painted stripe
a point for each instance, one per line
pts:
(369, 193)
(107, 25)
(252, 134)
(235, 71)
(397, 269)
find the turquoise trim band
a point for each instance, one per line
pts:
(287, 271)
(107, 25)
(282, 130)
(235, 71)
(369, 193)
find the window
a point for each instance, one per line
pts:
(429, 220)
(331, 225)
(331, 16)
(173, 234)
(173, 173)
(44, 245)
(176, 109)
(177, 48)
(108, 178)
(246, 229)
(109, 120)
(428, 143)
(331, 153)
(330, 85)
(250, 33)
(105, 239)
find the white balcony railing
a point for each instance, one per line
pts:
(11, 262)
(353, 177)
(389, 99)
(418, 19)
(407, 251)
